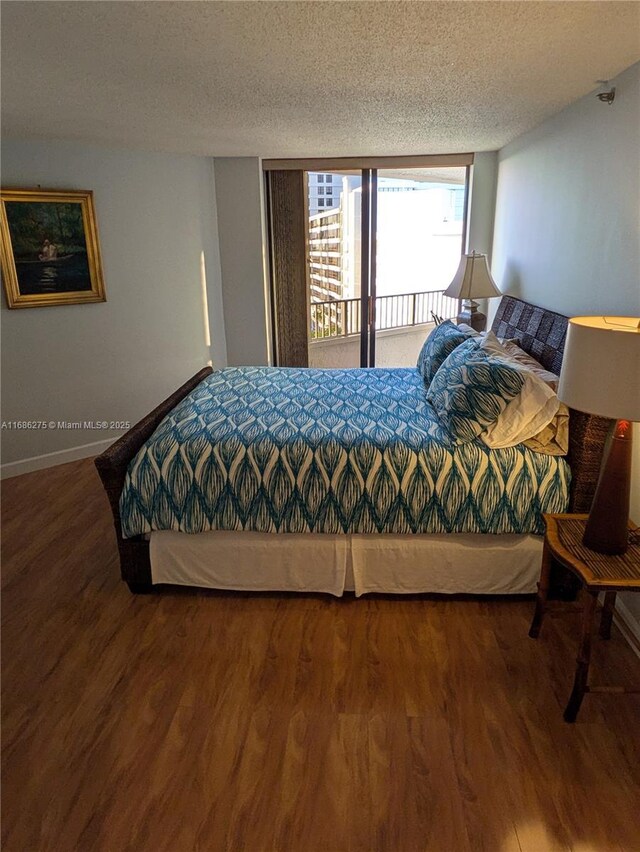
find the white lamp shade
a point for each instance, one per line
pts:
(473, 279)
(601, 367)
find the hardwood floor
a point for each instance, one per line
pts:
(208, 721)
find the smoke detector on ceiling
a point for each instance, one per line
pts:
(606, 92)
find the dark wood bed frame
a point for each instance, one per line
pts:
(540, 332)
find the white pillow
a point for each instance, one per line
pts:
(514, 349)
(526, 414)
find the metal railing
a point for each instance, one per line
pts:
(341, 317)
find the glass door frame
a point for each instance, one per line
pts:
(368, 273)
(368, 166)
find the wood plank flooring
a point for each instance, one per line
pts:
(216, 722)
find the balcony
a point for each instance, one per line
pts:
(402, 323)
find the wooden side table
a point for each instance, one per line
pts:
(598, 573)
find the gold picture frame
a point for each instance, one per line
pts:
(49, 248)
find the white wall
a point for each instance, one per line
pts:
(242, 238)
(482, 206)
(567, 230)
(242, 258)
(482, 201)
(566, 227)
(115, 360)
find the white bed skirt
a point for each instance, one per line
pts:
(390, 564)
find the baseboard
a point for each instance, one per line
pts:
(628, 625)
(84, 451)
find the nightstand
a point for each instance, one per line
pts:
(598, 573)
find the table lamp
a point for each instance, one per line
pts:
(601, 375)
(472, 281)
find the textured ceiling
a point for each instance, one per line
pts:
(310, 78)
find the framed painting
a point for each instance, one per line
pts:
(49, 247)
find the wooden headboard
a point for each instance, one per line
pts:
(542, 333)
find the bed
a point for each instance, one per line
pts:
(362, 491)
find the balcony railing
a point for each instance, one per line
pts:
(341, 317)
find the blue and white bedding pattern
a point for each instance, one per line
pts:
(289, 450)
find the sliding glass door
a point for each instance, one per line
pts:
(360, 254)
(382, 245)
(419, 237)
(334, 203)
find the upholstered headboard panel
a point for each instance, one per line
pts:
(542, 333)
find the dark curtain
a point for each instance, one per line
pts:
(289, 292)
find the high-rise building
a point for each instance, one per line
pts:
(324, 191)
(325, 255)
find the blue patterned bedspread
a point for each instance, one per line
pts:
(329, 451)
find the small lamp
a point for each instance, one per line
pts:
(472, 281)
(601, 375)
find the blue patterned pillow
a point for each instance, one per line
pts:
(439, 344)
(471, 389)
